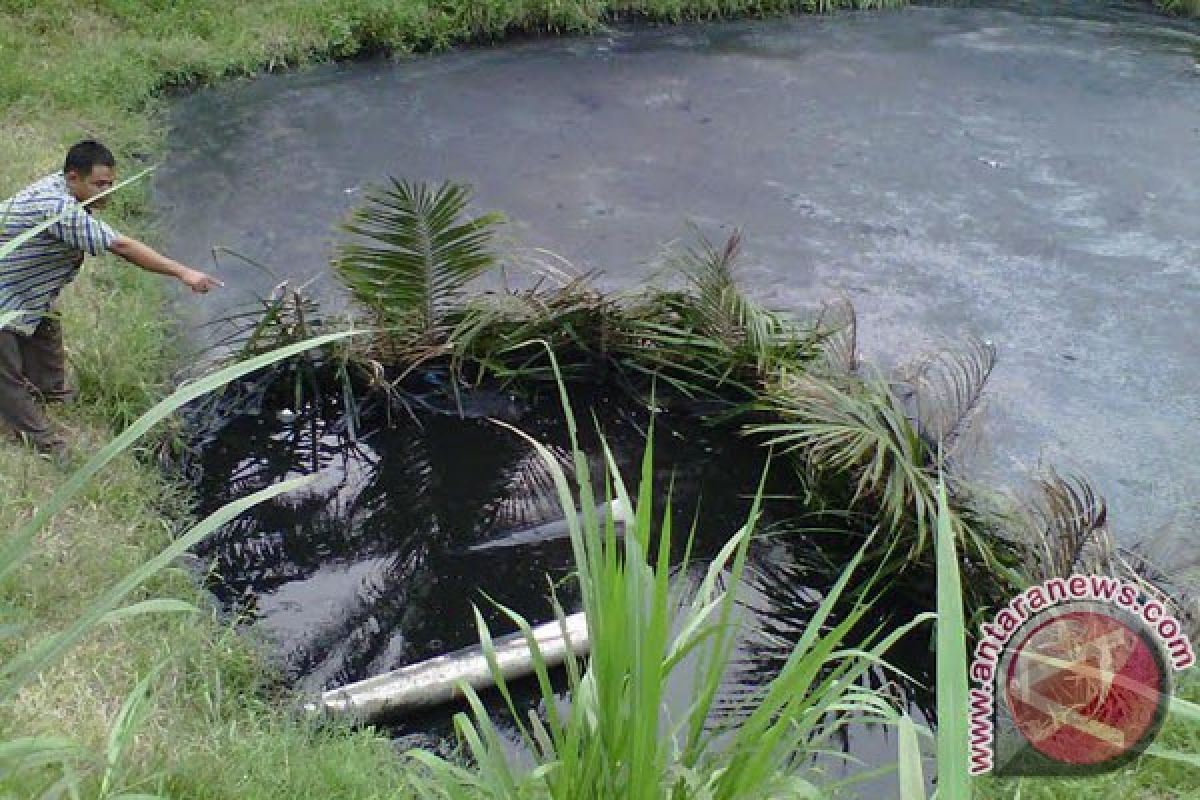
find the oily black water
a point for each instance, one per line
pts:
(415, 519)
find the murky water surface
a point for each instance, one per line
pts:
(1028, 174)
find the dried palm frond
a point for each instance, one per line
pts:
(1065, 531)
(837, 326)
(1168, 561)
(947, 391)
(1066, 528)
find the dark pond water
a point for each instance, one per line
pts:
(419, 519)
(1026, 173)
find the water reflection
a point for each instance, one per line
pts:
(378, 563)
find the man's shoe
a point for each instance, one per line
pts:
(64, 395)
(49, 446)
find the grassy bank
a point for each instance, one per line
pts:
(1185, 8)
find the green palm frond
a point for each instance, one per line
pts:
(418, 255)
(493, 330)
(720, 309)
(710, 337)
(857, 428)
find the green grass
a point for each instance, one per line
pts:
(1186, 8)
(120, 702)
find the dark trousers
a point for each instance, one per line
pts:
(32, 368)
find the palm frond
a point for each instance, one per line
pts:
(837, 327)
(857, 428)
(1065, 527)
(1065, 531)
(1168, 560)
(418, 254)
(493, 330)
(948, 391)
(857, 431)
(720, 309)
(709, 338)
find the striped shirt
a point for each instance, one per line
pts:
(32, 276)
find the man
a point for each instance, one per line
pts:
(32, 361)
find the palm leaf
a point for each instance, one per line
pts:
(1168, 561)
(837, 326)
(418, 253)
(860, 430)
(948, 389)
(1065, 528)
(719, 309)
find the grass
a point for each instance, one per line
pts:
(82, 681)
(1185, 8)
(618, 737)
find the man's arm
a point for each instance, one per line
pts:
(151, 260)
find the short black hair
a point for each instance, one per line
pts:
(87, 154)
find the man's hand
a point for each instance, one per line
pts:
(198, 281)
(151, 260)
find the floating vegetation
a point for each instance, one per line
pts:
(859, 451)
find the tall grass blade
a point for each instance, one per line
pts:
(911, 773)
(157, 605)
(31, 752)
(1182, 709)
(1189, 759)
(124, 728)
(954, 783)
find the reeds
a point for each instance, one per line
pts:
(617, 735)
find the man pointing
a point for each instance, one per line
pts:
(32, 361)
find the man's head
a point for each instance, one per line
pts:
(90, 169)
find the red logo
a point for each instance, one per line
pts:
(1084, 690)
